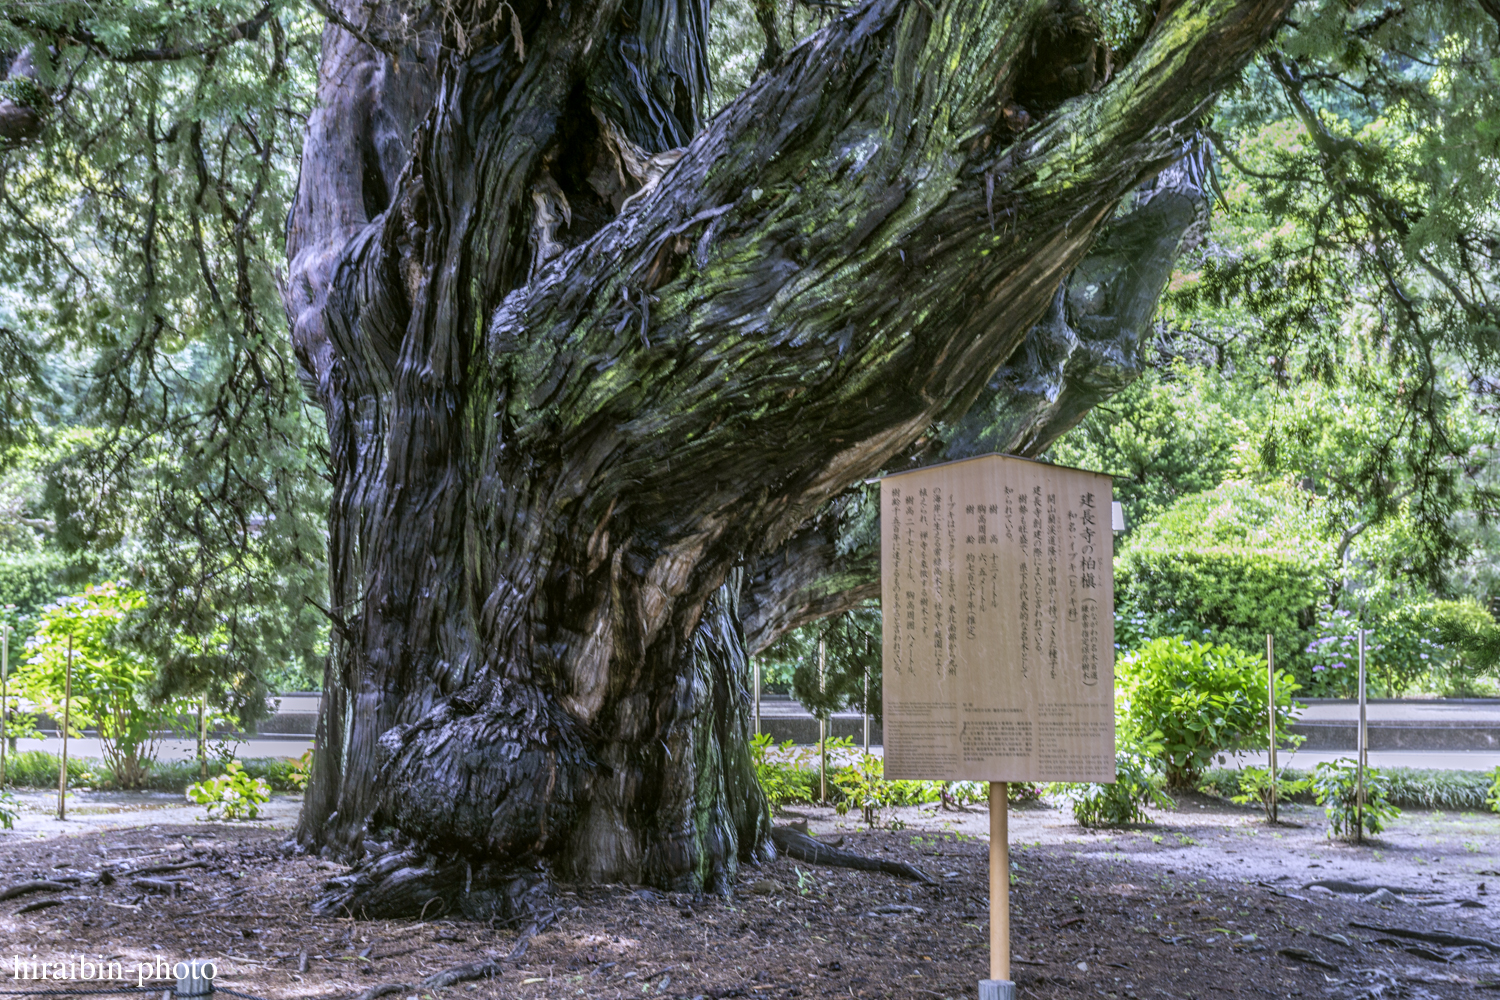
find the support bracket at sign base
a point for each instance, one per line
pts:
(997, 989)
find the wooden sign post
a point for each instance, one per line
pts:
(997, 597)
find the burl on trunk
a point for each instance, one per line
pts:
(582, 357)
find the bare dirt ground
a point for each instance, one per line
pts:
(1208, 902)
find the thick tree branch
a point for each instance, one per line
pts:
(1087, 348)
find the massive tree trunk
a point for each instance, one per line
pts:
(575, 373)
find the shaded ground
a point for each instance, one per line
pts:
(1136, 914)
(94, 811)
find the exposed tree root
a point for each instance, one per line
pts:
(1361, 889)
(408, 883)
(473, 970)
(1310, 958)
(796, 844)
(23, 888)
(1433, 937)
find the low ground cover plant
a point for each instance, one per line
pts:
(38, 769)
(232, 795)
(788, 773)
(1406, 787)
(1137, 784)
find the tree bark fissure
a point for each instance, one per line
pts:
(548, 462)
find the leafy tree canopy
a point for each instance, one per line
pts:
(143, 214)
(1337, 330)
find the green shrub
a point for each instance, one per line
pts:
(8, 810)
(233, 794)
(1468, 628)
(782, 782)
(1205, 700)
(1260, 786)
(28, 580)
(1406, 787)
(1335, 786)
(38, 769)
(862, 787)
(1493, 796)
(1228, 566)
(1021, 793)
(1400, 649)
(300, 772)
(111, 683)
(1124, 801)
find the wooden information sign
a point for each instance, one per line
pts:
(997, 597)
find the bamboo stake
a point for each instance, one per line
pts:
(1360, 751)
(756, 661)
(822, 725)
(999, 985)
(866, 706)
(202, 737)
(4, 695)
(1271, 713)
(62, 770)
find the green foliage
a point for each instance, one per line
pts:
(1471, 630)
(1406, 787)
(28, 580)
(1261, 786)
(1423, 788)
(783, 782)
(1135, 787)
(1399, 650)
(851, 650)
(1021, 793)
(113, 686)
(1204, 700)
(1341, 275)
(862, 786)
(1335, 787)
(144, 361)
(301, 771)
(38, 769)
(1492, 797)
(9, 810)
(233, 794)
(1227, 566)
(1169, 435)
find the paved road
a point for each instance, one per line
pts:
(277, 746)
(1462, 760)
(1468, 712)
(1409, 714)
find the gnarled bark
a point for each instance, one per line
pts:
(573, 376)
(1087, 347)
